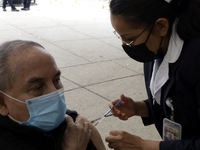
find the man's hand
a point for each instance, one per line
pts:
(77, 135)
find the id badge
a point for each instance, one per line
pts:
(171, 130)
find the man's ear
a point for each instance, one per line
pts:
(3, 107)
(162, 25)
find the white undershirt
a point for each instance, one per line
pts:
(160, 73)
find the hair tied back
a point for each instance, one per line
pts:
(168, 1)
(177, 3)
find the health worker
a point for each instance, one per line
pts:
(164, 35)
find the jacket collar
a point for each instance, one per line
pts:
(30, 131)
(160, 74)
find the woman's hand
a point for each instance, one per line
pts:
(121, 140)
(77, 135)
(125, 109)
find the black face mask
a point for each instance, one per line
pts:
(141, 52)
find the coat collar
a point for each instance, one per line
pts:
(160, 74)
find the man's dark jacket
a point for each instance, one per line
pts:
(20, 137)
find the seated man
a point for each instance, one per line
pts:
(32, 104)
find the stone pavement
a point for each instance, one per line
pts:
(95, 69)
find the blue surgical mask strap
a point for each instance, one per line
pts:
(14, 119)
(13, 98)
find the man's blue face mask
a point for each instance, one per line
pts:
(47, 112)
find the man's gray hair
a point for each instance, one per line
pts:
(8, 49)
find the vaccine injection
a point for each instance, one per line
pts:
(106, 114)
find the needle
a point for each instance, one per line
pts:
(106, 114)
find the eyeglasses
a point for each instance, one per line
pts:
(124, 40)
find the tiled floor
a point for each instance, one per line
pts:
(95, 69)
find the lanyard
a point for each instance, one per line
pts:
(169, 103)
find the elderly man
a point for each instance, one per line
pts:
(32, 104)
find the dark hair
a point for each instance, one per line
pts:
(146, 12)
